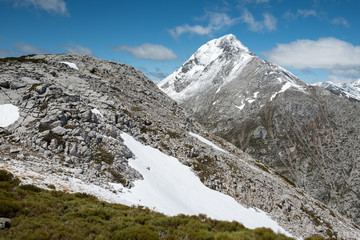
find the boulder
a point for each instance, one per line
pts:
(4, 223)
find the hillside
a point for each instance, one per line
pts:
(304, 132)
(103, 128)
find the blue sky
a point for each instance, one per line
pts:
(318, 40)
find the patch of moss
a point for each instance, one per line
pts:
(118, 177)
(34, 86)
(100, 154)
(164, 146)
(189, 146)
(286, 179)
(136, 109)
(262, 167)
(173, 134)
(51, 135)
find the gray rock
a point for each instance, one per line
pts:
(59, 130)
(15, 150)
(41, 89)
(5, 223)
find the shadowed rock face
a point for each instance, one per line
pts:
(307, 134)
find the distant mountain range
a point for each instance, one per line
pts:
(350, 91)
(307, 134)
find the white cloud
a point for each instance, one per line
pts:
(158, 75)
(340, 57)
(340, 21)
(216, 20)
(56, 6)
(23, 48)
(78, 49)
(301, 13)
(4, 52)
(268, 24)
(197, 29)
(149, 51)
(306, 12)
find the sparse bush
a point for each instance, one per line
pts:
(173, 134)
(23, 59)
(102, 155)
(316, 237)
(31, 188)
(136, 233)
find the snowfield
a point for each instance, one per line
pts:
(172, 188)
(8, 114)
(204, 140)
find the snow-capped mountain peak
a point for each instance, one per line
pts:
(218, 61)
(350, 91)
(356, 84)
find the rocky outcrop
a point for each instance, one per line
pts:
(70, 125)
(305, 133)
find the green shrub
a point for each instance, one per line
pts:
(136, 233)
(9, 208)
(316, 237)
(102, 155)
(9, 178)
(223, 226)
(22, 59)
(31, 188)
(85, 196)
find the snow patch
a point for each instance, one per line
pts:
(96, 112)
(9, 114)
(172, 188)
(204, 140)
(241, 107)
(285, 87)
(72, 65)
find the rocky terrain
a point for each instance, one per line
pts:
(305, 133)
(73, 110)
(350, 91)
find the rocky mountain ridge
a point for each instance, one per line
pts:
(350, 91)
(70, 127)
(303, 132)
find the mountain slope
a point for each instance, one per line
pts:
(76, 116)
(303, 132)
(350, 91)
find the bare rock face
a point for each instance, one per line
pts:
(305, 133)
(71, 119)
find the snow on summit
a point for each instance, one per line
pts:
(220, 59)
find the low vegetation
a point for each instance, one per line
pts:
(40, 214)
(100, 154)
(23, 59)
